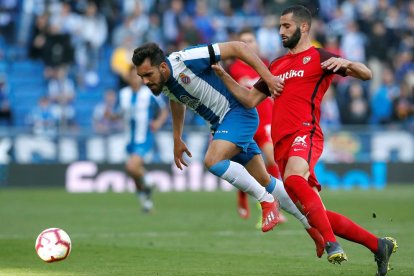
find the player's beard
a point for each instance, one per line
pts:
(156, 88)
(293, 40)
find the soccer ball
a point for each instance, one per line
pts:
(53, 245)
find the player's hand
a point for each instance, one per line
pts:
(155, 125)
(275, 85)
(218, 69)
(179, 148)
(335, 63)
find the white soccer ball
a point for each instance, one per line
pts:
(53, 245)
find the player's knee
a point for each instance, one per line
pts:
(302, 173)
(210, 161)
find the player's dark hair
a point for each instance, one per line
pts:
(246, 30)
(148, 50)
(301, 13)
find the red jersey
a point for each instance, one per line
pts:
(247, 76)
(298, 107)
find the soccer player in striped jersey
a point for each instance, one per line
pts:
(144, 114)
(304, 75)
(187, 79)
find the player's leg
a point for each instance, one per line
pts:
(218, 162)
(271, 166)
(243, 204)
(266, 146)
(296, 184)
(135, 169)
(349, 230)
(275, 187)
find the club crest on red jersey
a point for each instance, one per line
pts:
(306, 59)
(184, 78)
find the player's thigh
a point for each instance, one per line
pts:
(256, 168)
(219, 150)
(134, 163)
(267, 150)
(296, 166)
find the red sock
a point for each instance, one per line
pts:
(347, 229)
(312, 205)
(273, 170)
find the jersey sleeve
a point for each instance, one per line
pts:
(325, 55)
(200, 58)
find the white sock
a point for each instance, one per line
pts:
(240, 178)
(287, 204)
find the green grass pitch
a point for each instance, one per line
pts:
(191, 234)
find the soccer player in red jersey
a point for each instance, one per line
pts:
(247, 76)
(305, 74)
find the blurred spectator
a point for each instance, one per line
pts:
(269, 40)
(139, 23)
(382, 99)
(8, 16)
(154, 32)
(5, 112)
(378, 51)
(93, 34)
(353, 43)
(357, 108)
(173, 21)
(404, 106)
(203, 22)
(105, 115)
(42, 119)
(40, 31)
(330, 116)
(121, 60)
(57, 51)
(61, 92)
(404, 63)
(65, 20)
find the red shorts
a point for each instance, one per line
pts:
(263, 135)
(300, 144)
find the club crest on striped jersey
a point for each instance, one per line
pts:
(306, 59)
(184, 78)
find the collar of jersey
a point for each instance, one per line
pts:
(170, 78)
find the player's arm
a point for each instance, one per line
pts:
(349, 68)
(248, 98)
(240, 50)
(178, 114)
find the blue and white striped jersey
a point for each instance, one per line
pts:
(194, 83)
(139, 109)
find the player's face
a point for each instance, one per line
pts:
(250, 40)
(151, 77)
(289, 31)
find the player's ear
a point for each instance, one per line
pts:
(163, 67)
(304, 27)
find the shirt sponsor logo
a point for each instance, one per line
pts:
(306, 59)
(188, 101)
(184, 78)
(292, 74)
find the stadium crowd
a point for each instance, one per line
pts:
(73, 39)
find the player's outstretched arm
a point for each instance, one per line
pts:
(178, 113)
(354, 69)
(240, 50)
(248, 98)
